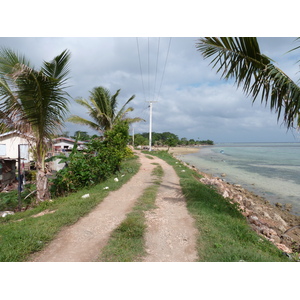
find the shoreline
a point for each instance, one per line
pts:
(179, 150)
(273, 222)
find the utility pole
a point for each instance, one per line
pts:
(150, 126)
(132, 136)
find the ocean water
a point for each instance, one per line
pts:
(270, 170)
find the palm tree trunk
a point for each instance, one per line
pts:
(42, 186)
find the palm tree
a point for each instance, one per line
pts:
(241, 59)
(102, 109)
(34, 103)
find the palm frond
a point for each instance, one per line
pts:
(82, 121)
(241, 59)
(102, 109)
(59, 67)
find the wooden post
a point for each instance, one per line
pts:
(19, 177)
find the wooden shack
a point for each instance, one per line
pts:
(7, 172)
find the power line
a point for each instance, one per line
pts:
(156, 67)
(138, 48)
(162, 78)
(148, 67)
(155, 79)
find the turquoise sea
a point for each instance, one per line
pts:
(271, 170)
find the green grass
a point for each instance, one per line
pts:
(224, 234)
(126, 243)
(18, 239)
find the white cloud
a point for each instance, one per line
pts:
(193, 101)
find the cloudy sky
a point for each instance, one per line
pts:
(190, 98)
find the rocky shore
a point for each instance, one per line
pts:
(274, 222)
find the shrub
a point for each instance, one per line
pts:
(99, 161)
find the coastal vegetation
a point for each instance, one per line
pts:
(99, 161)
(168, 139)
(34, 102)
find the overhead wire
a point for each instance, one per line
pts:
(156, 68)
(162, 78)
(147, 94)
(148, 67)
(138, 48)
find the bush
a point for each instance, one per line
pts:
(99, 161)
(10, 200)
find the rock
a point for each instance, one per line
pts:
(275, 239)
(282, 228)
(277, 218)
(85, 196)
(226, 194)
(268, 232)
(266, 215)
(238, 198)
(288, 207)
(116, 179)
(223, 175)
(283, 248)
(254, 220)
(278, 204)
(106, 188)
(257, 209)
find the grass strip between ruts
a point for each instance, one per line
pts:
(22, 235)
(126, 243)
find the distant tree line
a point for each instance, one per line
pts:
(158, 139)
(167, 139)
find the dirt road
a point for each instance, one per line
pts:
(170, 235)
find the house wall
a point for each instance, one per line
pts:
(9, 147)
(63, 145)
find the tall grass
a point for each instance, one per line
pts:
(21, 235)
(224, 234)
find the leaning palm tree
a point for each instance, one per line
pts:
(102, 109)
(241, 59)
(34, 103)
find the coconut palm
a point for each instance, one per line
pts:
(241, 59)
(34, 102)
(102, 109)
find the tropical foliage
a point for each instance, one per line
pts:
(34, 102)
(102, 109)
(96, 163)
(240, 58)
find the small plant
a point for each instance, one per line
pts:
(10, 200)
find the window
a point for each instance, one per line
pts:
(2, 150)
